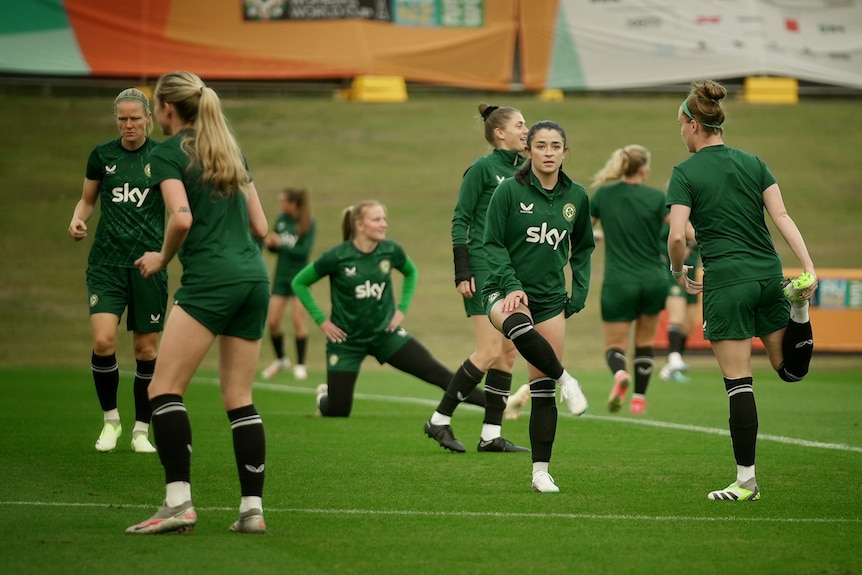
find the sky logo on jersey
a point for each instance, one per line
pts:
(525, 209)
(133, 195)
(369, 290)
(543, 235)
(288, 239)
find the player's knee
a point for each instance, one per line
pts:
(517, 325)
(790, 377)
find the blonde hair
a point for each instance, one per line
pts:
(623, 162)
(353, 214)
(136, 94)
(211, 143)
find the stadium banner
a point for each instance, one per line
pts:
(617, 44)
(316, 9)
(561, 44)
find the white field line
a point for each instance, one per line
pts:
(563, 413)
(488, 514)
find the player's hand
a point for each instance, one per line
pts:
(150, 263)
(396, 320)
(467, 287)
(690, 286)
(332, 332)
(514, 300)
(78, 229)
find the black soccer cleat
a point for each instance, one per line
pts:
(500, 445)
(444, 436)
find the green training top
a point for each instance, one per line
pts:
(132, 219)
(219, 249)
(530, 234)
(724, 188)
(360, 287)
(631, 216)
(479, 182)
(294, 251)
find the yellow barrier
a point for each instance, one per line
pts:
(378, 89)
(770, 90)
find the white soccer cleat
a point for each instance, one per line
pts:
(250, 521)
(108, 438)
(321, 392)
(181, 519)
(570, 392)
(517, 402)
(299, 372)
(141, 443)
(275, 367)
(544, 483)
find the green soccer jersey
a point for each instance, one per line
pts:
(479, 182)
(360, 287)
(132, 219)
(219, 249)
(294, 251)
(724, 188)
(631, 216)
(530, 234)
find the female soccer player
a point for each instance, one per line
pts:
(494, 356)
(292, 240)
(538, 222)
(364, 317)
(723, 192)
(634, 286)
(214, 223)
(132, 221)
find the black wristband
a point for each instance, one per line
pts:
(462, 264)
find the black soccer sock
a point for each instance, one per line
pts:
(543, 418)
(143, 377)
(172, 432)
(415, 359)
(498, 385)
(518, 327)
(675, 339)
(616, 359)
(464, 381)
(249, 448)
(797, 348)
(278, 345)
(338, 402)
(643, 365)
(301, 346)
(106, 376)
(743, 419)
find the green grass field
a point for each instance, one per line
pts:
(372, 494)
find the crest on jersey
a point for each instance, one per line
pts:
(385, 266)
(569, 212)
(147, 171)
(94, 299)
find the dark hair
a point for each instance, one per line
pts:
(299, 196)
(704, 104)
(523, 173)
(494, 118)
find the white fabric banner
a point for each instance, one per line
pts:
(613, 44)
